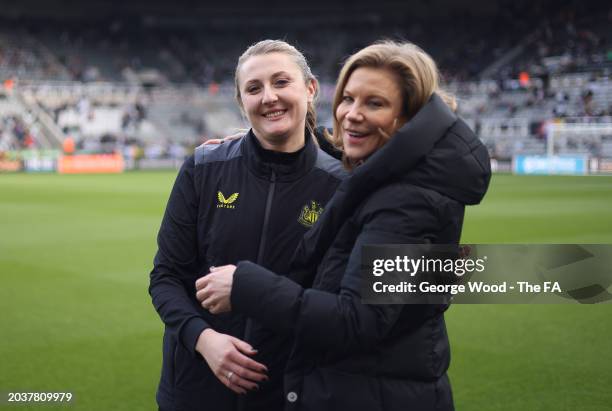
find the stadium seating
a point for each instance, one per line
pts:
(155, 86)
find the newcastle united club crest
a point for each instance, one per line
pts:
(310, 214)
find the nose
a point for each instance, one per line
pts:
(269, 96)
(354, 113)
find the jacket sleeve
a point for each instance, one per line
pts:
(326, 320)
(176, 262)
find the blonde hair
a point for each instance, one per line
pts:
(415, 69)
(280, 46)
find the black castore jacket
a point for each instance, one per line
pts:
(231, 202)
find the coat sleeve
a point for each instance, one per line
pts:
(176, 263)
(326, 320)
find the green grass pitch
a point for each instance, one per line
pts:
(75, 253)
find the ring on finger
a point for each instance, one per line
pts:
(230, 374)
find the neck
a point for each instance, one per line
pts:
(283, 145)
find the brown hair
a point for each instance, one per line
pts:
(415, 69)
(280, 46)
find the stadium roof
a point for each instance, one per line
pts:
(96, 9)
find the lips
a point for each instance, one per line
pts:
(356, 134)
(272, 115)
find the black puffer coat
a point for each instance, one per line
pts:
(351, 356)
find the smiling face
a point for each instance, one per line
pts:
(371, 105)
(275, 97)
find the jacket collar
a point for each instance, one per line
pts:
(285, 166)
(434, 150)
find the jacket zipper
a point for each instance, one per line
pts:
(264, 231)
(260, 256)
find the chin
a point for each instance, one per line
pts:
(353, 154)
(278, 134)
(352, 157)
(276, 137)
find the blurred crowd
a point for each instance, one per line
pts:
(535, 60)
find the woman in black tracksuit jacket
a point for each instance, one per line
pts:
(410, 189)
(238, 200)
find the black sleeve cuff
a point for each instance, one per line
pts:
(190, 332)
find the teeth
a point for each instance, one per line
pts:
(275, 114)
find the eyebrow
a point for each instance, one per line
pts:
(281, 73)
(274, 76)
(369, 95)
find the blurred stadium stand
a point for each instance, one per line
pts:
(155, 78)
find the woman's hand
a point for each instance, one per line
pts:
(214, 289)
(228, 359)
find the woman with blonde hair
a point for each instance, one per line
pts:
(415, 167)
(235, 201)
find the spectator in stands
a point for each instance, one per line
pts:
(244, 199)
(588, 104)
(410, 187)
(68, 145)
(29, 142)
